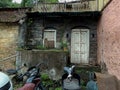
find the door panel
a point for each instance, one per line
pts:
(75, 42)
(80, 46)
(50, 38)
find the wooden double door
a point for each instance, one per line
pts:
(80, 46)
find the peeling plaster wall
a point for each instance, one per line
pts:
(52, 62)
(8, 42)
(109, 38)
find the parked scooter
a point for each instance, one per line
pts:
(8, 78)
(70, 80)
(92, 84)
(33, 81)
(5, 82)
(15, 76)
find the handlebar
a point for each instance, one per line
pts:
(69, 70)
(34, 70)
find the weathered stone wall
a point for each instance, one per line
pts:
(109, 38)
(8, 41)
(63, 25)
(52, 61)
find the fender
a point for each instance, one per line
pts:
(28, 86)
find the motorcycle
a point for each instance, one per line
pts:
(33, 80)
(92, 84)
(5, 82)
(5, 78)
(15, 76)
(70, 80)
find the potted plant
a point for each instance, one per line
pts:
(64, 46)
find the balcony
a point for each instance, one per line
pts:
(78, 6)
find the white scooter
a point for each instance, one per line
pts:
(5, 82)
(70, 80)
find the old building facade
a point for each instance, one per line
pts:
(52, 26)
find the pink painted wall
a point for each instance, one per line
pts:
(109, 38)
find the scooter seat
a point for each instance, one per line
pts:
(71, 84)
(11, 71)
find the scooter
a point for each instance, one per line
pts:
(70, 80)
(15, 76)
(92, 84)
(33, 81)
(5, 79)
(5, 82)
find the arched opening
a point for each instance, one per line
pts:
(80, 46)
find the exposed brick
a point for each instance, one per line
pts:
(109, 38)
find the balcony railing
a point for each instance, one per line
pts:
(78, 6)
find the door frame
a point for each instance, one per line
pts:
(88, 43)
(50, 30)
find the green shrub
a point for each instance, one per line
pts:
(41, 47)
